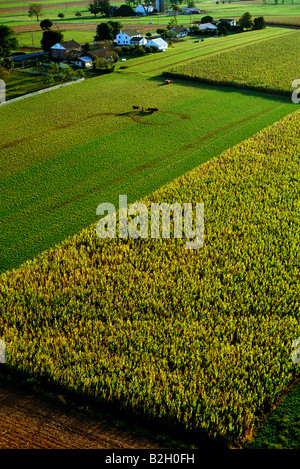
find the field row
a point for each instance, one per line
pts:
(197, 339)
(261, 66)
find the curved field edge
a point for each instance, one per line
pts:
(197, 339)
(260, 67)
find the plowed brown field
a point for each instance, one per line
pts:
(31, 421)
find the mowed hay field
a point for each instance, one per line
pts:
(201, 339)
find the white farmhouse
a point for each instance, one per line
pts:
(180, 31)
(159, 43)
(232, 22)
(124, 37)
(138, 41)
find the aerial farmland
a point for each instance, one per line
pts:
(143, 340)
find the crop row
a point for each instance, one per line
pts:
(200, 339)
(271, 66)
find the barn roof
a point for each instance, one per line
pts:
(130, 32)
(67, 45)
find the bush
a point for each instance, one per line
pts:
(125, 10)
(78, 13)
(46, 24)
(259, 23)
(125, 49)
(61, 15)
(207, 19)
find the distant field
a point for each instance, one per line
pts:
(187, 51)
(198, 340)
(262, 66)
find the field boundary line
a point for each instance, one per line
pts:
(45, 90)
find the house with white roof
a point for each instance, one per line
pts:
(205, 26)
(159, 43)
(83, 61)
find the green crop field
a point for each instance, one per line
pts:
(197, 340)
(200, 340)
(56, 171)
(262, 66)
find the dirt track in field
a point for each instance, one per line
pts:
(29, 421)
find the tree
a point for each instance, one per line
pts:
(61, 15)
(116, 27)
(172, 23)
(194, 29)
(176, 9)
(125, 10)
(104, 31)
(224, 24)
(94, 8)
(191, 4)
(8, 40)
(50, 38)
(104, 7)
(259, 23)
(207, 19)
(77, 13)
(35, 9)
(246, 21)
(46, 24)
(163, 32)
(132, 3)
(100, 6)
(222, 30)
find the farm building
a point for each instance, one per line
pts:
(144, 9)
(205, 26)
(190, 11)
(83, 61)
(231, 22)
(124, 37)
(160, 5)
(180, 31)
(60, 49)
(159, 43)
(138, 41)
